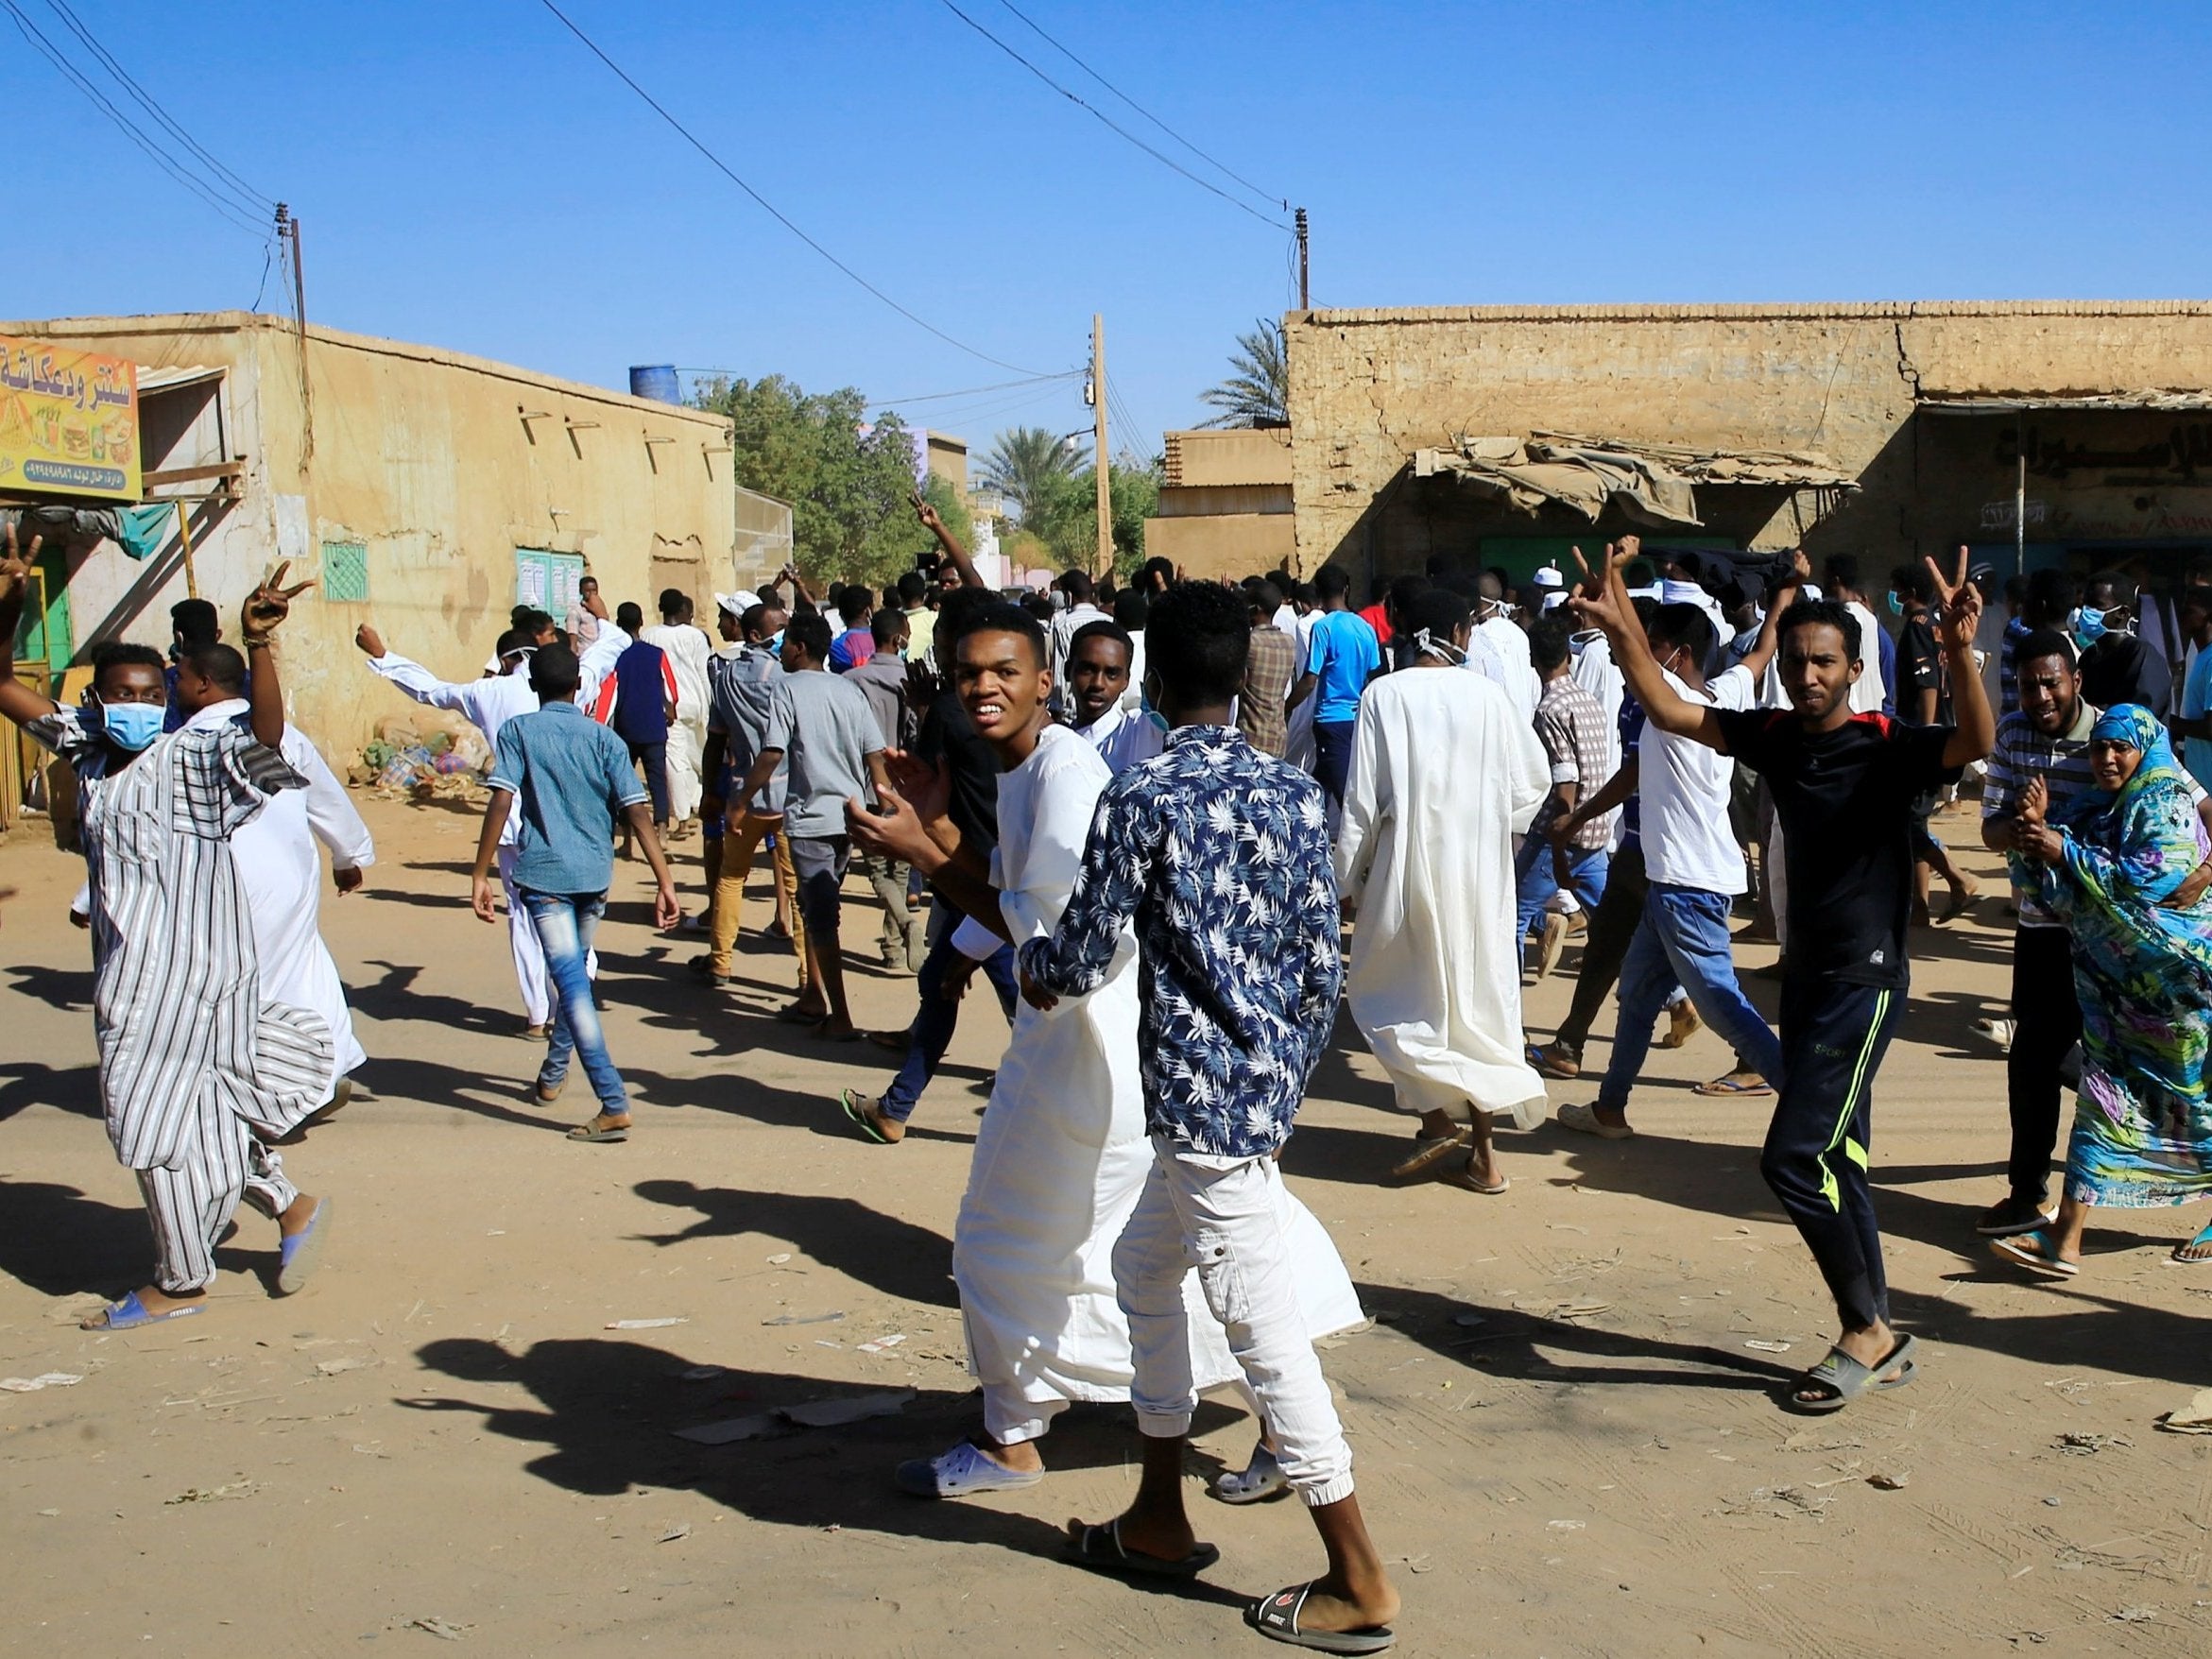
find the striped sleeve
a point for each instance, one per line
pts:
(2001, 787)
(225, 776)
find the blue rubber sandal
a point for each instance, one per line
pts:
(961, 1472)
(298, 1254)
(129, 1313)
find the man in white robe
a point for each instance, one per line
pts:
(282, 872)
(1063, 1155)
(1445, 773)
(687, 648)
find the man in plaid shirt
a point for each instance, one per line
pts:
(1268, 672)
(1574, 731)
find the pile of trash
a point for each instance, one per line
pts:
(427, 754)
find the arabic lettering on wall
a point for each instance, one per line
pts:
(30, 370)
(2184, 451)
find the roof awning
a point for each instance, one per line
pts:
(168, 380)
(1655, 483)
(2186, 400)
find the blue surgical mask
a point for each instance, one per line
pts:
(130, 725)
(2089, 625)
(1896, 604)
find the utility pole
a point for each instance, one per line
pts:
(288, 230)
(1305, 287)
(1098, 402)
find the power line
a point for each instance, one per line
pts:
(764, 204)
(248, 197)
(970, 391)
(154, 152)
(1076, 99)
(1222, 167)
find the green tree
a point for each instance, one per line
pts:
(1258, 391)
(890, 551)
(847, 481)
(1026, 462)
(1066, 515)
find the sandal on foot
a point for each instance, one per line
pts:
(1962, 900)
(599, 1130)
(129, 1313)
(1101, 1547)
(859, 1114)
(1255, 1482)
(1428, 1153)
(961, 1472)
(546, 1093)
(1728, 1086)
(1277, 1618)
(795, 1014)
(1683, 1023)
(1464, 1176)
(2202, 1241)
(2036, 1251)
(1556, 1061)
(297, 1255)
(1846, 1378)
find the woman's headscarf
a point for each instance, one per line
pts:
(2136, 727)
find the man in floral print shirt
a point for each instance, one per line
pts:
(1222, 856)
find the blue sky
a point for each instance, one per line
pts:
(468, 176)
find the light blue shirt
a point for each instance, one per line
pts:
(2196, 701)
(571, 778)
(1343, 657)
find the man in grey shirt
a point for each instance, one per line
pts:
(825, 729)
(741, 686)
(882, 679)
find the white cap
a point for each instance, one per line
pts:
(1548, 576)
(737, 604)
(1553, 600)
(1673, 592)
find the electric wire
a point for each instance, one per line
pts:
(1104, 119)
(763, 202)
(1223, 168)
(248, 197)
(967, 391)
(154, 152)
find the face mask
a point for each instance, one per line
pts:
(1896, 604)
(2089, 625)
(130, 725)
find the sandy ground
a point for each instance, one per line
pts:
(1564, 1419)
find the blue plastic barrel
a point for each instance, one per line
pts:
(656, 380)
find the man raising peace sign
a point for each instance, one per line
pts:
(1844, 785)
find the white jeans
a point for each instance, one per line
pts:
(1222, 1221)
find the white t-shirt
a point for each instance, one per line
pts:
(1684, 790)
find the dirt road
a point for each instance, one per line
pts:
(1564, 1417)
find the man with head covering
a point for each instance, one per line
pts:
(1445, 773)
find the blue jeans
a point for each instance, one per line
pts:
(565, 923)
(1683, 936)
(935, 1019)
(1536, 872)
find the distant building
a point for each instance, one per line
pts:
(1225, 504)
(426, 490)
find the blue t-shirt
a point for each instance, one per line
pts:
(571, 778)
(2196, 702)
(1343, 657)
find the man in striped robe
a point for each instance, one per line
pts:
(198, 1075)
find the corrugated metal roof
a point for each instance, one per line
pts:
(2186, 401)
(165, 380)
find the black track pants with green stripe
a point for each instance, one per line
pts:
(1833, 1035)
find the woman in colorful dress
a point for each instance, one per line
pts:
(2142, 1132)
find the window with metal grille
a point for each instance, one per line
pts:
(345, 572)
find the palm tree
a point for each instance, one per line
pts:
(1258, 391)
(1023, 459)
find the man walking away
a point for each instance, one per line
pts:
(571, 780)
(744, 683)
(825, 729)
(638, 701)
(1344, 655)
(1261, 706)
(687, 648)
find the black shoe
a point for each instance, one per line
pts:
(2013, 1217)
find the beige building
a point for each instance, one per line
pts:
(1225, 504)
(425, 490)
(1889, 431)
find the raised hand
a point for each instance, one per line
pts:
(1958, 602)
(16, 571)
(369, 639)
(1595, 602)
(920, 786)
(270, 603)
(926, 513)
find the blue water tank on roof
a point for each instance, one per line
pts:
(656, 380)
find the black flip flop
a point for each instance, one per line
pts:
(1277, 1618)
(1848, 1378)
(1101, 1547)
